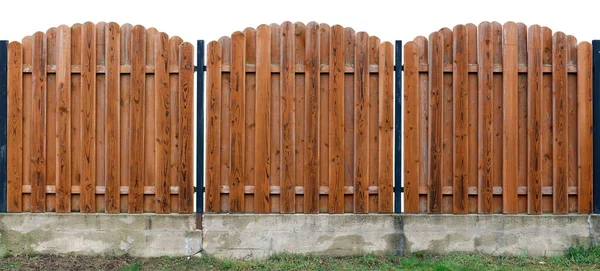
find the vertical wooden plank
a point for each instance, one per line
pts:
(186, 127)
(226, 124)
(250, 119)
(27, 124)
(237, 103)
(522, 116)
(412, 131)
(100, 116)
(546, 129)
(447, 111)
(15, 128)
(136, 121)
(149, 122)
(485, 121)
(125, 114)
(288, 171)
(585, 136)
(434, 197)
(112, 134)
(175, 148)
(88, 132)
(361, 124)
(162, 105)
(349, 104)
(461, 114)
(63, 83)
(275, 119)
(572, 125)
(299, 112)
(424, 180)
(312, 83)
(497, 115)
(324, 126)
(263, 110)
(38, 123)
(373, 127)
(386, 127)
(473, 115)
(213, 138)
(534, 89)
(336, 120)
(51, 117)
(76, 118)
(559, 122)
(510, 122)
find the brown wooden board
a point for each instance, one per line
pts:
(38, 122)
(349, 116)
(386, 127)
(186, 127)
(534, 88)
(312, 83)
(585, 139)
(175, 147)
(510, 122)
(497, 115)
(361, 124)
(63, 83)
(237, 107)
(136, 121)
(225, 123)
(522, 116)
(112, 134)
(373, 128)
(149, 121)
(412, 131)
(15, 128)
(100, 116)
(434, 198)
(461, 112)
(336, 121)
(559, 122)
(213, 137)
(88, 121)
(163, 127)
(572, 125)
(250, 119)
(324, 124)
(447, 119)
(473, 118)
(51, 116)
(546, 129)
(299, 114)
(485, 121)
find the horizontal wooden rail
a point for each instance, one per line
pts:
(101, 69)
(299, 190)
(300, 68)
(101, 190)
(474, 68)
(497, 190)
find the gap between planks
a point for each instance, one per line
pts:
(474, 68)
(497, 190)
(100, 190)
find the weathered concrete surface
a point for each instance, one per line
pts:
(143, 235)
(258, 236)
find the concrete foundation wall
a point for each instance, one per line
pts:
(258, 236)
(99, 234)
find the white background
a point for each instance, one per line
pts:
(209, 20)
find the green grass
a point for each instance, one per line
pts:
(575, 258)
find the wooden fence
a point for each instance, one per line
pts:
(300, 119)
(498, 119)
(100, 120)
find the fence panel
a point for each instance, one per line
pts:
(497, 121)
(100, 121)
(300, 120)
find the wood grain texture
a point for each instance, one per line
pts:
(88, 121)
(546, 129)
(373, 127)
(15, 128)
(434, 197)
(361, 124)
(312, 83)
(473, 118)
(186, 127)
(288, 171)
(349, 115)
(299, 113)
(250, 119)
(324, 125)
(38, 122)
(112, 135)
(461, 121)
(50, 121)
(125, 113)
(412, 130)
(336, 120)
(585, 138)
(63, 83)
(447, 119)
(136, 124)
(213, 137)
(497, 115)
(76, 118)
(237, 107)
(559, 122)
(162, 105)
(100, 115)
(484, 60)
(572, 125)
(175, 147)
(534, 88)
(149, 120)
(510, 122)
(386, 127)
(226, 123)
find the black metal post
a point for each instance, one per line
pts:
(200, 128)
(596, 122)
(397, 131)
(3, 123)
